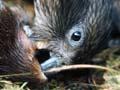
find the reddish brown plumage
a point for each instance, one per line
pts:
(16, 50)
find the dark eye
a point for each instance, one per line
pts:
(76, 36)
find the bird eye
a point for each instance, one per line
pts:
(76, 36)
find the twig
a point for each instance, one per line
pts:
(13, 75)
(76, 67)
(56, 70)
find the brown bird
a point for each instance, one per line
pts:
(74, 30)
(16, 50)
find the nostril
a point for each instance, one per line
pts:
(42, 55)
